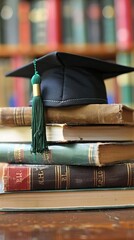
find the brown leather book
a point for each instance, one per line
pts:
(83, 114)
(56, 177)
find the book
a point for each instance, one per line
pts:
(54, 22)
(108, 21)
(19, 84)
(5, 86)
(67, 199)
(123, 19)
(132, 9)
(84, 154)
(9, 22)
(65, 133)
(56, 177)
(83, 114)
(38, 16)
(78, 16)
(66, 23)
(24, 32)
(94, 21)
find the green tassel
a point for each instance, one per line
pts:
(39, 141)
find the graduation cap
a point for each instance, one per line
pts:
(65, 79)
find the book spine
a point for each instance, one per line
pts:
(54, 22)
(89, 114)
(108, 21)
(24, 177)
(24, 23)
(6, 87)
(19, 84)
(9, 16)
(38, 16)
(123, 18)
(78, 19)
(71, 154)
(94, 21)
(66, 16)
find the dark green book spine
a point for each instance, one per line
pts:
(67, 28)
(49, 177)
(9, 21)
(70, 154)
(39, 21)
(94, 21)
(108, 21)
(78, 9)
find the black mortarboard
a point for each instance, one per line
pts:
(65, 79)
(68, 79)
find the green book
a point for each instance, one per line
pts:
(108, 21)
(78, 9)
(39, 21)
(94, 21)
(67, 28)
(9, 21)
(86, 154)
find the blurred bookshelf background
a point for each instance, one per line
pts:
(95, 28)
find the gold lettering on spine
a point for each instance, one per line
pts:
(99, 178)
(41, 177)
(47, 156)
(19, 177)
(18, 153)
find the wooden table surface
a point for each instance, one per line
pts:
(68, 225)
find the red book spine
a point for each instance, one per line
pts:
(123, 16)
(24, 23)
(54, 22)
(17, 178)
(19, 85)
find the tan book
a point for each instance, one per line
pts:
(84, 114)
(67, 199)
(65, 133)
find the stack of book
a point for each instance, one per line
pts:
(89, 163)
